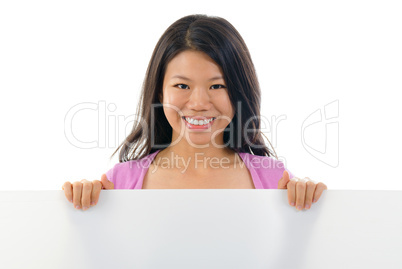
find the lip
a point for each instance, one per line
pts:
(198, 127)
(198, 117)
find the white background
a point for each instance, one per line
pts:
(308, 54)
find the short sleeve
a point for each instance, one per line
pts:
(265, 170)
(111, 175)
(127, 175)
(290, 174)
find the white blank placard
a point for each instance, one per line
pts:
(201, 229)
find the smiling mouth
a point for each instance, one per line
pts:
(198, 122)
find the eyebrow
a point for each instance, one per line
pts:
(182, 77)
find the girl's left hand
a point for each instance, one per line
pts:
(301, 193)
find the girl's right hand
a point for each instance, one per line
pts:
(84, 193)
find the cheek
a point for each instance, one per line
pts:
(168, 114)
(172, 98)
(172, 104)
(172, 111)
(227, 105)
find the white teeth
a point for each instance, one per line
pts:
(198, 122)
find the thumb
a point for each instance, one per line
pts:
(106, 184)
(283, 182)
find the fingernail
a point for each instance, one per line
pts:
(292, 204)
(85, 208)
(307, 206)
(299, 207)
(77, 207)
(315, 200)
(92, 203)
(71, 201)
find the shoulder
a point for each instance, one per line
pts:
(268, 169)
(125, 175)
(261, 163)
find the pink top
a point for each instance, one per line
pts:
(265, 171)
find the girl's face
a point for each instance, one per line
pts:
(193, 87)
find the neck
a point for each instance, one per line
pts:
(195, 160)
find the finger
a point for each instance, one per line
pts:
(309, 194)
(86, 194)
(96, 189)
(77, 189)
(300, 194)
(284, 180)
(291, 186)
(68, 191)
(106, 184)
(319, 190)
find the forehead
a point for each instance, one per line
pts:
(194, 64)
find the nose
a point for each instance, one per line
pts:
(199, 99)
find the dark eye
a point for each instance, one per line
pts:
(221, 86)
(178, 85)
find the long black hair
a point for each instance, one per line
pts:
(217, 38)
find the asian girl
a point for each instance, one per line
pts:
(198, 124)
